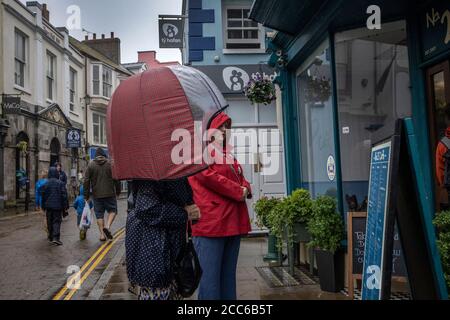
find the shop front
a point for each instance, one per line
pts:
(344, 81)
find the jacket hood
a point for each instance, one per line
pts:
(219, 120)
(100, 160)
(53, 173)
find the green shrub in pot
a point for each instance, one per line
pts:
(442, 223)
(262, 208)
(292, 210)
(326, 225)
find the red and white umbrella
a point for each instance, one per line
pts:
(145, 111)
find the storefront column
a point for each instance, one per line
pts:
(3, 132)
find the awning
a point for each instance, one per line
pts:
(288, 16)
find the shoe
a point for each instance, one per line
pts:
(108, 234)
(57, 242)
(82, 234)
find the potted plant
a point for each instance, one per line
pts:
(263, 208)
(300, 207)
(326, 227)
(442, 223)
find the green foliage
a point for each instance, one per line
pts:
(263, 208)
(293, 209)
(442, 223)
(326, 225)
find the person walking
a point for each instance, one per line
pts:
(220, 193)
(155, 235)
(61, 174)
(105, 191)
(79, 205)
(38, 189)
(54, 202)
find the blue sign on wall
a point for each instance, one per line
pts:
(73, 138)
(435, 25)
(376, 221)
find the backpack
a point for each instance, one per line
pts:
(446, 142)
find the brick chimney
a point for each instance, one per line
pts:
(109, 47)
(45, 12)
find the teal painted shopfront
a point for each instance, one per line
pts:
(342, 81)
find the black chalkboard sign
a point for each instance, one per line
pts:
(358, 242)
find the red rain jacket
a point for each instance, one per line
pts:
(218, 194)
(440, 161)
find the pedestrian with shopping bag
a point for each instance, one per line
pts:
(84, 213)
(54, 202)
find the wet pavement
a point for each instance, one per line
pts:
(31, 268)
(250, 285)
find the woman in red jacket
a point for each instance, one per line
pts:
(220, 193)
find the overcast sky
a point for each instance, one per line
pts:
(135, 22)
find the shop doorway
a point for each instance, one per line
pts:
(258, 147)
(438, 92)
(55, 149)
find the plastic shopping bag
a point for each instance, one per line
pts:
(86, 217)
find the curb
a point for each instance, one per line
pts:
(102, 283)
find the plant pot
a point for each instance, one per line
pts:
(331, 270)
(301, 233)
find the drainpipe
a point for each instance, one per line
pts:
(86, 106)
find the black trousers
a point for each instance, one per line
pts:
(54, 219)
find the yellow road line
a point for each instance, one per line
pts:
(99, 250)
(93, 266)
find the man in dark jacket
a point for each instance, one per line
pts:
(54, 202)
(105, 191)
(61, 174)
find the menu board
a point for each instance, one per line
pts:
(377, 218)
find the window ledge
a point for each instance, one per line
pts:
(49, 101)
(74, 113)
(244, 51)
(22, 89)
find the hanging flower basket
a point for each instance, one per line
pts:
(22, 146)
(260, 90)
(317, 90)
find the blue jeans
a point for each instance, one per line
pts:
(218, 258)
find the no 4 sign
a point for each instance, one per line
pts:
(436, 28)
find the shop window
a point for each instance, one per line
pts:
(315, 104)
(240, 31)
(373, 91)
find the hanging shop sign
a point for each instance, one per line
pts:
(233, 79)
(73, 138)
(11, 104)
(435, 27)
(171, 31)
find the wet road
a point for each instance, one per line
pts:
(31, 268)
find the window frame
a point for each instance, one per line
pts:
(259, 28)
(104, 83)
(50, 75)
(101, 124)
(73, 83)
(21, 61)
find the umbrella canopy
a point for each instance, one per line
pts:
(144, 113)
